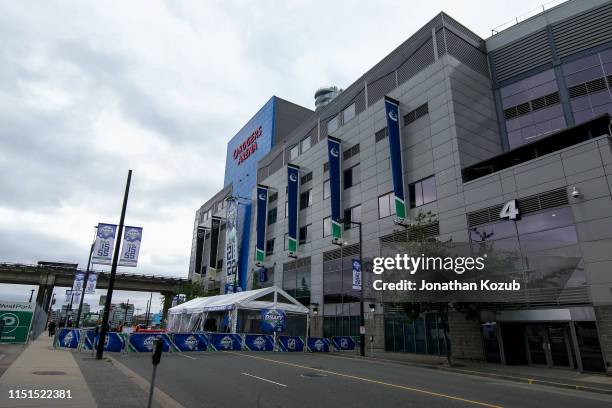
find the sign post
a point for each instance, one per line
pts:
(159, 346)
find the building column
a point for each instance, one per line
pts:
(465, 336)
(603, 315)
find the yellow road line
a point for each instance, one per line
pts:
(369, 380)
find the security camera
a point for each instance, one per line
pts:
(575, 192)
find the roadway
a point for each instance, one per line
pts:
(240, 379)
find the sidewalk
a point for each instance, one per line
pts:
(557, 377)
(40, 367)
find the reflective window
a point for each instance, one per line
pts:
(386, 205)
(272, 216)
(422, 192)
(305, 199)
(270, 246)
(305, 144)
(332, 125)
(304, 234)
(294, 152)
(352, 176)
(352, 214)
(326, 189)
(545, 220)
(491, 232)
(327, 229)
(348, 113)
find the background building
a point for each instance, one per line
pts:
(121, 313)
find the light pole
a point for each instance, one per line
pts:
(31, 295)
(85, 281)
(361, 312)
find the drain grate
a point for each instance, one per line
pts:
(48, 372)
(313, 375)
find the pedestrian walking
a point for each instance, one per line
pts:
(51, 328)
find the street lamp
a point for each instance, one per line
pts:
(361, 312)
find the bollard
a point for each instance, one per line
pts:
(159, 346)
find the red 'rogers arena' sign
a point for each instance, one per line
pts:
(248, 147)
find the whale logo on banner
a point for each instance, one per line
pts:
(395, 149)
(334, 147)
(262, 214)
(105, 239)
(293, 189)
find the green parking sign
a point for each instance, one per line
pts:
(17, 318)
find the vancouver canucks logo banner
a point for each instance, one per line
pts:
(334, 152)
(131, 246)
(103, 247)
(262, 212)
(231, 242)
(293, 189)
(272, 320)
(395, 148)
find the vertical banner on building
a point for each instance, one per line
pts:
(92, 282)
(293, 194)
(334, 153)
(395, 148)
(103, 248)
(262, 214)
(215, 223)
(356, 274)
(200, 236)
(231, 241)
(131, 246)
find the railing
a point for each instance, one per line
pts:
(531, 13)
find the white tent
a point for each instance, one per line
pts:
(186, 315)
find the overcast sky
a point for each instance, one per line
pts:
(89, 90)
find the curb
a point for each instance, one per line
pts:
(536, 381)
(159, 396)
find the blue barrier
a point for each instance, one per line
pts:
(343, 343)
(225, 341)
(290, 343)
(318, 344)
(259, 342)
(145, 342)
(68, 338)
(190, 341)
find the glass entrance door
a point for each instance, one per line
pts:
(536, 344)
(548, 344)
(558, 345)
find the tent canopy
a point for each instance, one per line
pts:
(266, 298)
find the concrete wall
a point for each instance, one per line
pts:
(465, 335)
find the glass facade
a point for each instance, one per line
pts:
(532, 108)
(588, 81)
(424, 335)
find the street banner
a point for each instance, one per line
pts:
(262, 274)
(130, 247)
(200, 240)
(215, 224)
(262, 215)
(68, 338)
(395, 149)
(72, 296)
(92, 281)
(334, 153)
(225, 341)
(103, 247)
(343, 343)
(17, 317)
(290, 343)
(231, 242)
(259, 342)
(272, 320)
(77, 284)
(293, 195)
(190, 341)
(113, 342)
(145, 342)
(318, 344)
(102, 300)
(356, 274)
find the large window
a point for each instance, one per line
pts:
(386, 205)
(305, 144)
(272, 216)
(294, 152)
(352, 214)
(532, 108)
(326, 189)
(304, 235)
(348, 113)
(352, 177)
(422, 192)
(270, 246)
(327, 229)
(305, 199)
(332, 125)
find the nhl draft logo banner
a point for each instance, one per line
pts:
(103, 247)
(190, 341)
(272, 320)
(356, 274)
(395, 148)
(145, 342)
(131, 246)
(225, 341)
(343, 343)
(290, 343)
(77, 284)
(92, 281)
(262, 212)
(113, 342)
(231, 242)
(293, 190)
(334, 153)
(259, 342)
(318, 344)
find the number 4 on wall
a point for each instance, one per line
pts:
(509, 210)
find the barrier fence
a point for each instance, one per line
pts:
(86, 339)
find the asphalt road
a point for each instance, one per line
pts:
(240, 379)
